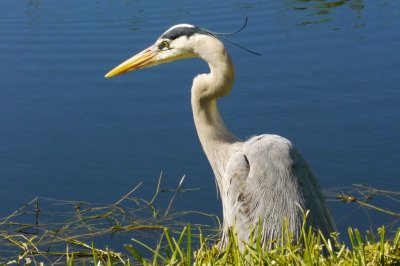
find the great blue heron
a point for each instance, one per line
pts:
(263, 180)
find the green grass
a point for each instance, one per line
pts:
(192, 247)
(313, 249)
(183, 249)
(54, 232)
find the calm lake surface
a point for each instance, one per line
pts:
(328, 80)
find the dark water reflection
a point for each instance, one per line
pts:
(319, 11)
(328, 80)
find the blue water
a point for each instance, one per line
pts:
(328, 79)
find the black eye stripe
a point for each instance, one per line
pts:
(178, 32)
(183, 31)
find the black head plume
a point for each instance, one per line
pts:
(222, 35)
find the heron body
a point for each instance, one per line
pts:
(262, 181)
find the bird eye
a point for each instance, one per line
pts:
(163, 44)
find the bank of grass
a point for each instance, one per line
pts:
(313, 249)
(53, 232)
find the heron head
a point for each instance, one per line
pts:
(178, 42)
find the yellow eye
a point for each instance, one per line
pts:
(163, 44)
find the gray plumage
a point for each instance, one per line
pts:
(262, 181)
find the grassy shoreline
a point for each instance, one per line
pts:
(186, 249)
(54, 232)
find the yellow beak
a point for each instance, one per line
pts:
(141, 60)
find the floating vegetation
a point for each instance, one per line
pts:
(46, 229)
(370, 202)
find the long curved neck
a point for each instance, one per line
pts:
(214, 136)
